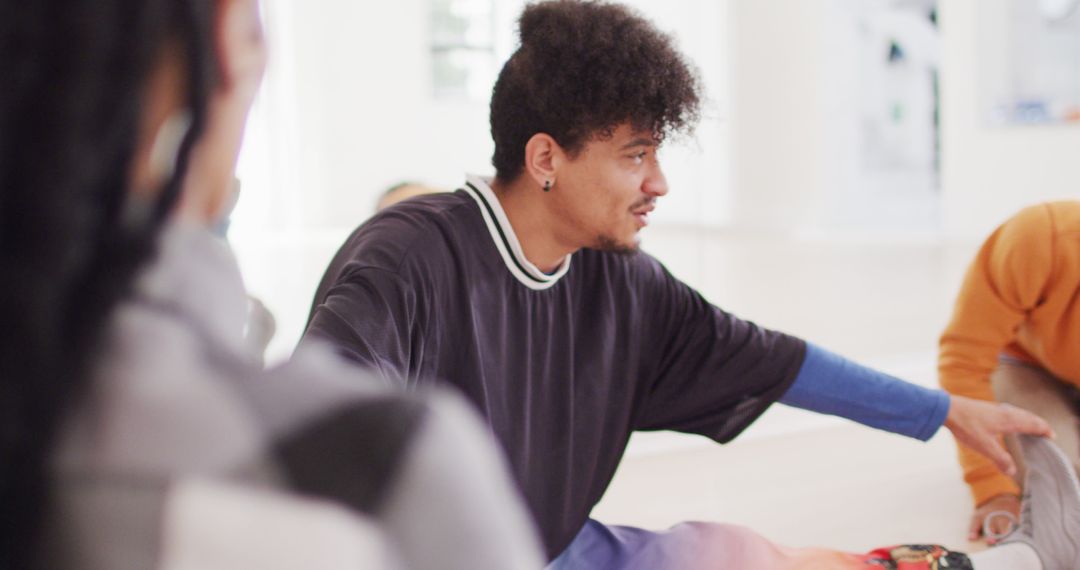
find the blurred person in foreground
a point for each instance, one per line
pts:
(136, 429)
(1014, 338)
(529, 292)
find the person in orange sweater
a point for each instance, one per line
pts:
(1014, 337)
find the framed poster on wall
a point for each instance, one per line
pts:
(1030, 61)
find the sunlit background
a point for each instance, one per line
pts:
(852, 156)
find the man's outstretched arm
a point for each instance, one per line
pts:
(830, 384)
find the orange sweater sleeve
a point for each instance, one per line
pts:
(1003, 284)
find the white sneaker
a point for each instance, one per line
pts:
(1050, 509)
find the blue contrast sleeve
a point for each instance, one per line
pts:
(830, 384)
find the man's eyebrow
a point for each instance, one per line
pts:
(643, 141)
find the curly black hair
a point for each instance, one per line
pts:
(583, 68)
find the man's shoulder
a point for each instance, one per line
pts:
(418, 229)
(421, 216)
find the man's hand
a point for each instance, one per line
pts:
(980, 425)
(999, 526)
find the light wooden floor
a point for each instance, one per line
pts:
(842, 486)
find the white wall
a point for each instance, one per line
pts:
(805, 83)
(778, 113)
(990, 172)
(366, 110)
(791, 138)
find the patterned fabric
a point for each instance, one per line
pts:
(918, 557)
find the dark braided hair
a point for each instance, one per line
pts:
(72, 76)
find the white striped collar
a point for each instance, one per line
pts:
(506, 241)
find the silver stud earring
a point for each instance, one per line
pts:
(547, 186)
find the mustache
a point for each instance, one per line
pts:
(650, 201)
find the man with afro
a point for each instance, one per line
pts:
(529, 293)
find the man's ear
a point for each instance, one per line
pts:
(241, 46)
(543, 155)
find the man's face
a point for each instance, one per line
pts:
(605, 193)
